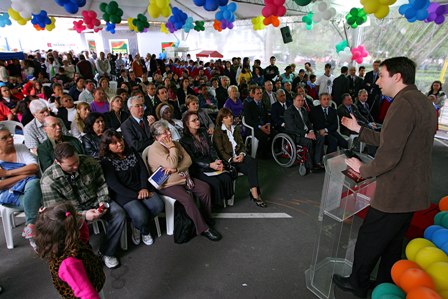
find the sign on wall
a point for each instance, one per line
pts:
(119, 46)
(92, 45)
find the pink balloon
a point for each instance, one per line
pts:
(279, 2)
(281, 10)
(266, 11)
(359, 60)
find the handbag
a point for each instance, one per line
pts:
(184, 229)
(231, 169)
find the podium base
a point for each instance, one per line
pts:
(319, 278)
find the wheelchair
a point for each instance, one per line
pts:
(287, 153)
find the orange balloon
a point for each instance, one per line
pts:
(423, 293)
(400, 267)
(275, 22)
(443, 203)
(413, 278)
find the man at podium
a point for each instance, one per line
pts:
(407, 133)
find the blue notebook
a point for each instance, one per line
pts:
(158, 178)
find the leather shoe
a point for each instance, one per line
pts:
(212, 235)
(344, 284)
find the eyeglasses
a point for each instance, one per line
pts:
(138, 106)
(6, 137)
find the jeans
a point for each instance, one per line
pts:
(31, 200)
(115, 219)
(142, 212)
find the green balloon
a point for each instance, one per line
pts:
(354, 11)
(302, 2)
(354, 25)
(351, 21)
(113, 4)
(106, 17)
(103, 7)
(115, 19)
(119, 12)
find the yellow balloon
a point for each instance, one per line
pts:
(415, 245)
(52, 25)
(17, 17)
(439, 273)
(427, 256)
(371, 6)
(162, 3)
(166, 11)
(153, 11)
(163, 28)
(131, 25)
(444, 294)
(382, 12)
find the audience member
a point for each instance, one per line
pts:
(341, 85)
(93, 129)
(205, 121)
(77, 126)
(278, 110)
(165, 112)
(116, 116)
(100, 103)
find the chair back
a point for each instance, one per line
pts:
(145, 158)
(12, 125)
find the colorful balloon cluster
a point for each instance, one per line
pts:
(415, 10)
(341, 46)
(41, 19)
(111, 12)
(110, 27)
(308, 20)
(379, 8)
(177, 20)
(217, 25)
(436, 13)
(324, 12)
(210, 5)
(345, 55)
(273, 8)
(356, 17)
(25, 8)
(226, 15)
(159, 8)
(424, 274)
(4, 20)
(140, 23)
(189, 24)
(257, 23)
(272, 20)
(71, 6)
(17, 17)
(302, 2)
(90, 20)
(199, 26)
(358, 53)
(78, 26)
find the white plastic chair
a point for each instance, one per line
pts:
(8, 214)
(316, 102)
(253, 140)
(169, 201)
(12, 125)
(350, 139)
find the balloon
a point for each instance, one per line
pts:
(427, 256)
(302, 2)
(443, 203)
(415, 10)
(379, 8)
(439, 216)
(257, 23)
(400, 267)
(413, 278)
(440, 237)
(188, 25)
(111, 12)
(199, 26)
(423, 293)
(385, 289)
(439, 273)
(163, 28)
(25, 8)
(430, 230)
(110, 27)
(415, 245)
(52, 25)
(71, 6)
(16, 17)
(341, 46)
(4, 20)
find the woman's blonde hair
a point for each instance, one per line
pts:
(78, 120)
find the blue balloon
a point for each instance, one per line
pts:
(219, 15)
(430, 230)
(211, 5)
(232, 6)
(223, 2)
(403, 8)
(199, 2)
(410, 13)
(440, 237)
(419, 4)
(445, 248)
(71, 8)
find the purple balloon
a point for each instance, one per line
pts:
(439, 20)
(433, 6)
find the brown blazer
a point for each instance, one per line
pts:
(402, 163)
(224, 147)
(176, 157)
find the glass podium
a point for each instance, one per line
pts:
(342, 198)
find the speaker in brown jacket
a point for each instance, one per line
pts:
(286, 34)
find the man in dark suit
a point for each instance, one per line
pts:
(355, 82)
(135, 129)
(403, 183)
(268, 97)
(151, 100)
(221, 91)
(347, 108)
(373, 89)
(288, 91)
(325, 122)
(278, 110)
(300, 128)
(363, 106)
(256, 116)
(340, 86)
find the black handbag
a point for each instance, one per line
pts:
(184, 229)
(231, 169)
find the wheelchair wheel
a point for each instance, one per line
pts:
(302, 169)
(284, 150)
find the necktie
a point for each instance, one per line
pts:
(326, 111)
(284, 106)
(142, 124)
(349, 109)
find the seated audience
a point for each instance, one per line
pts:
(347, 108)
(19, 184)
(87, 94)
(8, 99)
(325, 123)
(205, 159)
(67, 110)
(116, 116)
(165, 112)
(363, 106)
(135, 129)
(53, 129)
(230, 147)
(233, 102)
(79, 179)
(127, 178)
(77, 125)
(175, 160)
(100, 103)
(300, 128)
(205, 121)
(104, 84)
(93, 129)
(278, 110)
